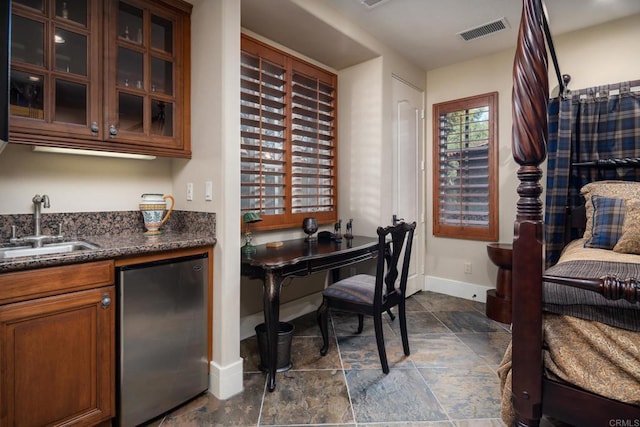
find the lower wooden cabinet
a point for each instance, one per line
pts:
(57, 355)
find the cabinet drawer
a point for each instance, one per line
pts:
(26, 285)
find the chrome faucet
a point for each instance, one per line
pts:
(37, 239)
(38, 202)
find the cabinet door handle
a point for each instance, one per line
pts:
(94, 128)
(113, 131)
(106, 301)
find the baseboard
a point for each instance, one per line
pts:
(288, 311)
(455, 288)
(225, 382)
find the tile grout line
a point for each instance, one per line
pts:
(344, 374)
(264, 395)
(431, 391)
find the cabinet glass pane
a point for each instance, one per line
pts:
(161, 34)
(130, 68)
(36, 4)
(27, 41)
(71, 102)
(130, 112)
(161, 118)
(71, 52)
(26, 95)
(130, 23)
(161, 76)
(73, 10)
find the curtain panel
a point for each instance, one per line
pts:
(592, 124)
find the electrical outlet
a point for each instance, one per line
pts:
(189, 191)
(467, 268)
(208, 191)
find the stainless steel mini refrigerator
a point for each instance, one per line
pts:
(162, 331)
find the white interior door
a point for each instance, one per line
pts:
(408, 170)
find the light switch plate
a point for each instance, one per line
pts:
(208, 191)
(189, 191)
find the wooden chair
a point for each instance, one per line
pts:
(369, 295)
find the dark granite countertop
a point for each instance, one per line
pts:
(111, 247)
(188, 230)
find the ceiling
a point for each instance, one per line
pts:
(423, 31)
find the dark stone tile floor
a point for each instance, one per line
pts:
(448, 380)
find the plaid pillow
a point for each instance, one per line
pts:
(629, 242)
(612, 189)
(608, 217)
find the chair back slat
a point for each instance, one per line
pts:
(395, 248)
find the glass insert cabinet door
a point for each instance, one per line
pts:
(143, 100)
(54, 66)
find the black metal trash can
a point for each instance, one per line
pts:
(285, 333)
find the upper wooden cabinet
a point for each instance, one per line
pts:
(101, 75)
(55, 88)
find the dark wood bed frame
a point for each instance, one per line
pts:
(533, 393)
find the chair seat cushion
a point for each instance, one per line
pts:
(359, 289)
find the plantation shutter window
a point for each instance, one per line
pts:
(465, 168)
(464, 176)
(288, 138)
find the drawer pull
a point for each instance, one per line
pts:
(106, 301)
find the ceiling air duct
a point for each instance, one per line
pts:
(484, 30)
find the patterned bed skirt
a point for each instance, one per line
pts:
(591, 355)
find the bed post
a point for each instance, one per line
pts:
(530, 98)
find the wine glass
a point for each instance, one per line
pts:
(310, 226)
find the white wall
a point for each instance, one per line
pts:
(599, 55)
(77, 183)
(360, 159)
(215, 120)
(604, 54)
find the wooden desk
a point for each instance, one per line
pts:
(298, 258)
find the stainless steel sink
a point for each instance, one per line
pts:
(46, 249)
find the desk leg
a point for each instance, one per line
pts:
(271, 303)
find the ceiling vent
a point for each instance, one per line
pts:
(370, 4)
(484, 30)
